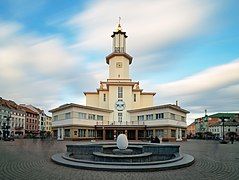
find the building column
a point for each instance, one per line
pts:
(154, 132)
(178, 134)
(103, 134)
(136, 134)
(58, 134)
(115, 135)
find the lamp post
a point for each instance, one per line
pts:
(6, 127)
(223, 136)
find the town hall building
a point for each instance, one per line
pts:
(118, 106)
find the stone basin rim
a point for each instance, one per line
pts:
(186, 161)
(67, 157)
(122, 156)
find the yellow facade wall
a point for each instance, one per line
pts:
(119, 72)
(92, 100)
(146, 100)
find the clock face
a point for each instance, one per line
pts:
(120, 105)
(119, 64)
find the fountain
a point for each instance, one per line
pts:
(123, 156)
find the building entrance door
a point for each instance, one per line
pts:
(109, 134)
(131, 134)
(118, 132)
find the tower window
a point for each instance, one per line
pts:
(134, 97)
(120, 117)
(104, 98)
(120, 92)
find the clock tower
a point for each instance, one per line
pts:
(119, 93)
(119, 60)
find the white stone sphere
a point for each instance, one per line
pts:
(122, 141)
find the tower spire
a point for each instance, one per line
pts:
(119, 26)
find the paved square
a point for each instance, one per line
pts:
(30, 159)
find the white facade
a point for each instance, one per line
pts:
(119, 105)
(229, 127)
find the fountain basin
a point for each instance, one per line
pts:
(145, 156)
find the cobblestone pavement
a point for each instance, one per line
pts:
(30, 159)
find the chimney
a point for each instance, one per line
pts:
(205, 112)
(177, 103)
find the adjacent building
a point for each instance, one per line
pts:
(191, 130)
(17, 115)
(118, 106)
(48, 124)
(23, 119)
(231, 128)
(202, 124)
(31, 122)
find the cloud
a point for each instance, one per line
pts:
(39, 70)
(149, 24)
(208, 80)
(215, 89)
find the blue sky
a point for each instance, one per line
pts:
(52, 51)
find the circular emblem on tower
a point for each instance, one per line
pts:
(120, 105)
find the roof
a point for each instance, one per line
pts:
(227, 123)
(159, 107)
(65, 106)
(221, 115)
(10, 104)
(193, 123)
(121, 84)
(119, 54)
(29, 110)
(119, 32)
(225, 115)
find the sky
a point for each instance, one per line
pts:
(185, 50)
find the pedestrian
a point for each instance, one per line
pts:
(156, 139)
(151, 139)
(232, 139)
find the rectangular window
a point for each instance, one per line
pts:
(67, 132)
(82, 115)
(100, 118)
(104, 98)
(172, 116)
(120, 117)
(149, 117)
(67, 115)
(159, 116)
(134, 97)
(183, 133)
(91, 133)
(149, 133)
(173, 133)
(183, 119)
(140, 118)
(55, 118)
(120, 92)
(91, 116)
(81, 132)
(160, 132)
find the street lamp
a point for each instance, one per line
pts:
(223, 136)
(6, 127)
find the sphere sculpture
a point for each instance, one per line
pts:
(122, 142)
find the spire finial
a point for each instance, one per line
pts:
(119, 26)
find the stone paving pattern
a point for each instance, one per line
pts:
(30, 159)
